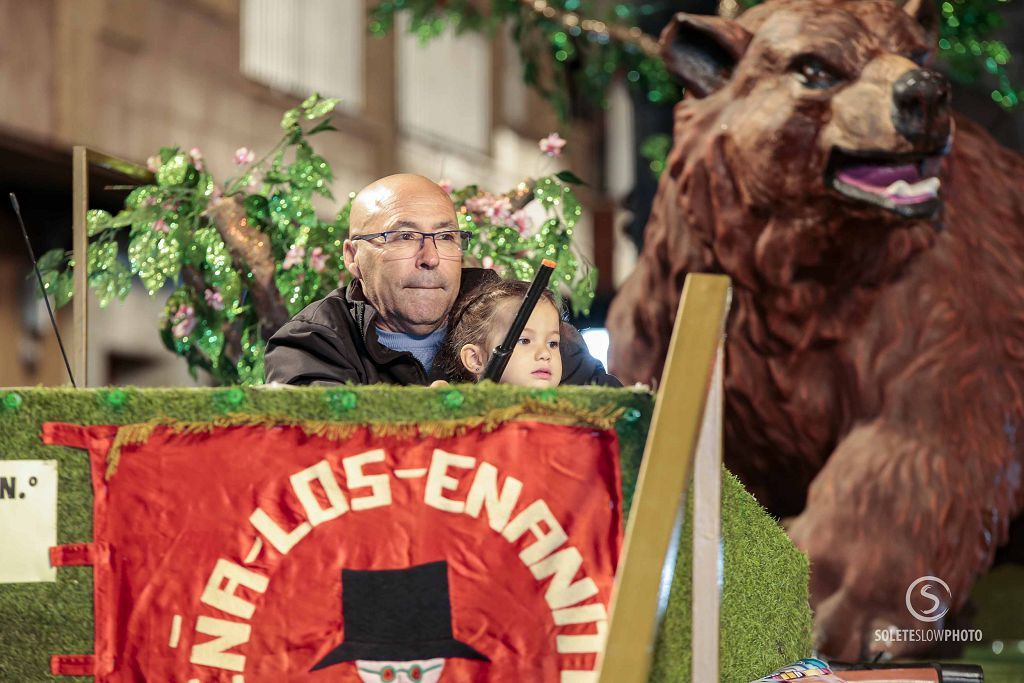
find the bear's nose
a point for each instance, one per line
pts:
(921, 108)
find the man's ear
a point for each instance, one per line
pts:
(473, 358)
(703, 50)
(927, 14)
(349, 256)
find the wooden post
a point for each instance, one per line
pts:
(79, 250)
(82, 158)
(688, 407)
(707, 532)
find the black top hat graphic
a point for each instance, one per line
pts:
(397, 615)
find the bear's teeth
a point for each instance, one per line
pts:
(901, 188)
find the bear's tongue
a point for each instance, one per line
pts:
(902, 184)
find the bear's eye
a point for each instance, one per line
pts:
(812, 72)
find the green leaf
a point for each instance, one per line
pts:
(63, 289)
(167, 153)
(137, 197)
(49, 282)
(142, 253)
(290, 119)
(123, 218)
(167, 260)
(326, 124)
(571, 209)
(210, 342)
(102, 283)
(569, 177)
(51, 260)
(322, 108)
(310, 101)
(96, 221)
(102, 255)
(173, 172)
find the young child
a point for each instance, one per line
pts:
(482, 322)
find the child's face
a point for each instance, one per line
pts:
(536, 360)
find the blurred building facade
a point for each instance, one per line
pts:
(128, 76)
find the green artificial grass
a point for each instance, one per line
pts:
(765, 618)
(765, 621)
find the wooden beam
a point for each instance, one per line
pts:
(79, 252)
(679, 414)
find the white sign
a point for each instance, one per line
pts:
(28, 520)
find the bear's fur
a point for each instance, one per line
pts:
(875, 356)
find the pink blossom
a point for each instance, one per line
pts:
(184, 320)
(318, 260)
(500, 210)
(446, 185)
(480, 204)
(495, 209)
(294, 257)
(243, 156)
(159, 225)
(215, 194)
(552, 145)
(487, 262)
(300, 278)
(214, 299)
(522, 222)
(153, 164)
(197, 158)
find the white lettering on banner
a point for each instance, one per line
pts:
(583, 642)
(545, 550)
(302, 484)
(282, 540)
(530, 520)
(214, 652)
(224, 581)
(438, 480)
(380, 484)
(484, 493)
(563, 591)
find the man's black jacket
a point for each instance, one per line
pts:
(334, 340)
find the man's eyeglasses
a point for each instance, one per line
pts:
(390, 673)
(406, 243)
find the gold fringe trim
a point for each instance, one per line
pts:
(554, 412)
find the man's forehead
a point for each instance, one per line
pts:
(387, 209)
(422, 223)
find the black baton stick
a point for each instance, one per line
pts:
(42, 287)
(499, 357)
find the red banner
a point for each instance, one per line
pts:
(266, 554)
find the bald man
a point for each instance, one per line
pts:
(404, 253)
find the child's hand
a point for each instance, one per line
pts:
(438, 383)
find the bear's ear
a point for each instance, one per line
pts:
(702, 50)
(926, 12)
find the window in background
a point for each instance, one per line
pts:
(444, 89)
(301, 46)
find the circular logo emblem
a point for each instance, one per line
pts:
(926, 587)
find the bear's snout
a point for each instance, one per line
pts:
(921, 111)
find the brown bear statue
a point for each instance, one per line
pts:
(875, 346)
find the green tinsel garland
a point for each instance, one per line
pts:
(585, 61)
(209, 241)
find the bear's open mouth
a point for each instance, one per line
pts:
(905, 184)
